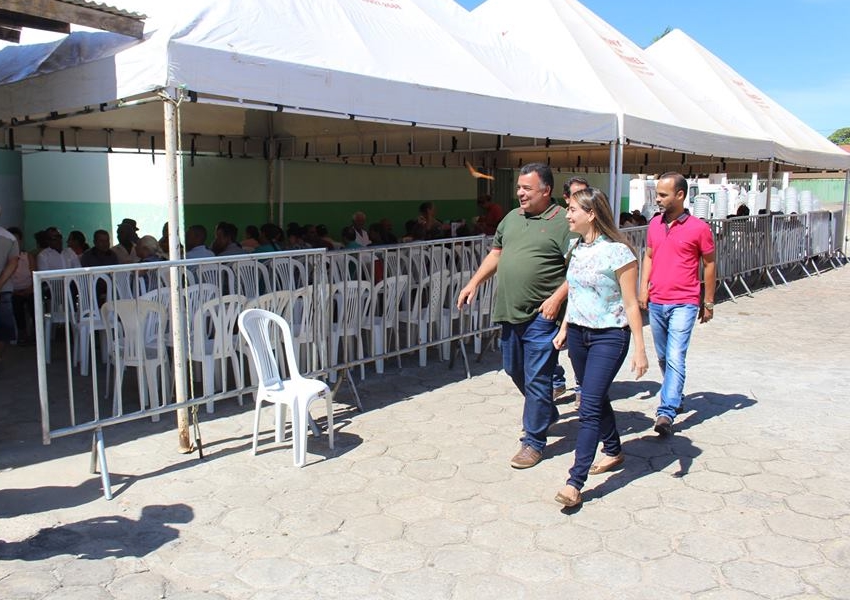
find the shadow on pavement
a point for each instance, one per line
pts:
(103, 537)
(651, 453)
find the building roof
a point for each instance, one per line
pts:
(58, 15)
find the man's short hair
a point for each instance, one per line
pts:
(573, 180)
(228, 230)
(680, 184)
(198, 230)
(544, 172)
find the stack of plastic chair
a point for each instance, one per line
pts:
(262, 332)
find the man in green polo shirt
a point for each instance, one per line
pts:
(528, 252)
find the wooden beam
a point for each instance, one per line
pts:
(18, 20)
(10, 34)
(79, 15)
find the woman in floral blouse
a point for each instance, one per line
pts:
(602, 315)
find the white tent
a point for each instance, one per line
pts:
(713, 84)
(381, 61)
(653, 110)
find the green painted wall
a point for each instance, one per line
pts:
(830, 191)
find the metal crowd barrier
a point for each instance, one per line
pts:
(348, 309)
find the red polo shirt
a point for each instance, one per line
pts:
(676, 252)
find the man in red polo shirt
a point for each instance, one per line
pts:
(676, 241)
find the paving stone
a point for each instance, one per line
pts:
(817, 506)
(430, 470)
(485, 472)
(337, 484)
(270, 573)
(727, 594)
(784, 551)
(692, 501)
(639, 543)
(396, 487)
(829, 581)
(462, 454)
(733, 466)
(602, 518)
(395, 556)
(838, 551)
(309, 524)
(537, 514)
(672, 521)
(615, 570)
(414, 585)
(251, 519)
(138, 585)
(750, 452)
(691, 575)
(474, 587)
(85, 592)
(802, 527)
(332, 581)
(85, 572)
(569, 539)
(410, 510)
(503, 535)
(409, 452)
(710, 547)
(353, 505)
(297, 501)
(767, 580)
(204, 564)
(378, 466)
(434, 533)
(772, 484)
(471, 511)
(717, 483)
(334, 549)
(464, 559)
(372, 528)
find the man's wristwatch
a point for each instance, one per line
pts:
(708, 305)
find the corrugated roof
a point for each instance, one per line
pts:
(105, 8)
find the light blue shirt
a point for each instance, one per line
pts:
(595, 299)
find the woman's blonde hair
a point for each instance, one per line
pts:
(593, 200)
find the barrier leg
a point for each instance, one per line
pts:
(98, 454)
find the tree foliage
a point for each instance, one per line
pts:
(840, 136)
(667, 30)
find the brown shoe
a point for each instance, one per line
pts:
(664, 426)
(526, 457)
(569, 497)
(607, 464)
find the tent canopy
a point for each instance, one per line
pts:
(713, 84)
(383, 63)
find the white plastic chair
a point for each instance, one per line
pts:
(56, 315)
(85, 315)
(259, 329)
(350, 313)
(425, 310)
(384, 327)
(218, 274)
(252, 278)
(213, 342)
(482, 307)
(137, 340)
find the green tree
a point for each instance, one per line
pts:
(840, 136)
(667, 30)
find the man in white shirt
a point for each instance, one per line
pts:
(51, 257)
(9, 253)
(125, 249)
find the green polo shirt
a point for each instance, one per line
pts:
(531, 265)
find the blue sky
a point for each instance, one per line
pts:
(795, 51)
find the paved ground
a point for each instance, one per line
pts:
(749, 499)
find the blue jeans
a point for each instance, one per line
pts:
(7, 320)
(529, 357)
(596, 356)
(671, 326)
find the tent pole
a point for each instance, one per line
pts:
(618, 182)
(770, 168)
(842, 241)
(178, 325)
(270, 171)
(612, 170)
